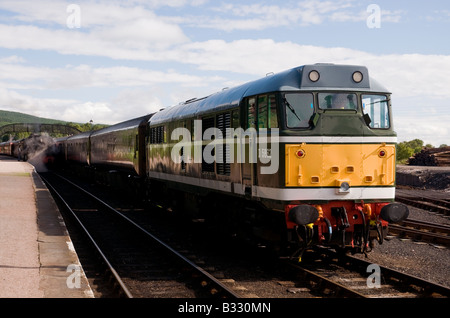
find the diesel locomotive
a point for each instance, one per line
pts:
(309, 151)
(298, 158)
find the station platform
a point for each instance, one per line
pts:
(37, 258)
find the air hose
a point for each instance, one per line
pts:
(330, 229)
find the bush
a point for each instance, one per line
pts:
(406, 149)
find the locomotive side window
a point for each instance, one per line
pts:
(262, 112)
(273, 118)
(235, 120)
(337, 101)
(298, 109)
(376, 108)
(251, 113)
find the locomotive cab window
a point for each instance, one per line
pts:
(298, 109)
(337, 101)
(376, 110)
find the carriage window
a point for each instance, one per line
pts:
(298, 108)
(337, 101)
(376, 108)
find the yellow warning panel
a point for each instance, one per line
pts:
(328, 165)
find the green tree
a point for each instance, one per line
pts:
(415, 144)
(404, 151)
(74, 125)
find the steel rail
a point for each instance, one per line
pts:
(338, 289)
(417, 285)
(433, 205)
(124, 289)
(424, 231)
(429, 226)
(192, 265)
(428, 287)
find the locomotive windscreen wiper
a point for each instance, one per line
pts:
(291, 108)
(378, 101)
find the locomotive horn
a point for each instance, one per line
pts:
(303, 214)
(394, 212)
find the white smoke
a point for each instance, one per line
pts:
(37, 149)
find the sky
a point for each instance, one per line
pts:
(110, 61)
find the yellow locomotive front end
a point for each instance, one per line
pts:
(339, 166)
(345, 187)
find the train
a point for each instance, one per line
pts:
(299, 158)
(37, 144)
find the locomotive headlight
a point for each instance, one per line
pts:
(344, 187)
(314, 76)
(357, 77)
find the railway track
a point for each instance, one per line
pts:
(333, 277)
(141, 264)
(430, 204)
(422, 231)
(337, 275)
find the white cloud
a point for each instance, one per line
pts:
(101, 12)
(132, 91)
(12, 59)
(406, 75)
(109, 42)
(349, 16)
(116, 30)
(126, 105)
(86, 76)
(46, 12)
(259, 16)
(12, 100)
(98, 112)
(132, 31)
(137, 101)
(431, 128)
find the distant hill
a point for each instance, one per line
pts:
(7, 117)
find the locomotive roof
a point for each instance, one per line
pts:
(331, 77)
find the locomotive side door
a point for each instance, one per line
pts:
(249, 142)
(260, 118)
